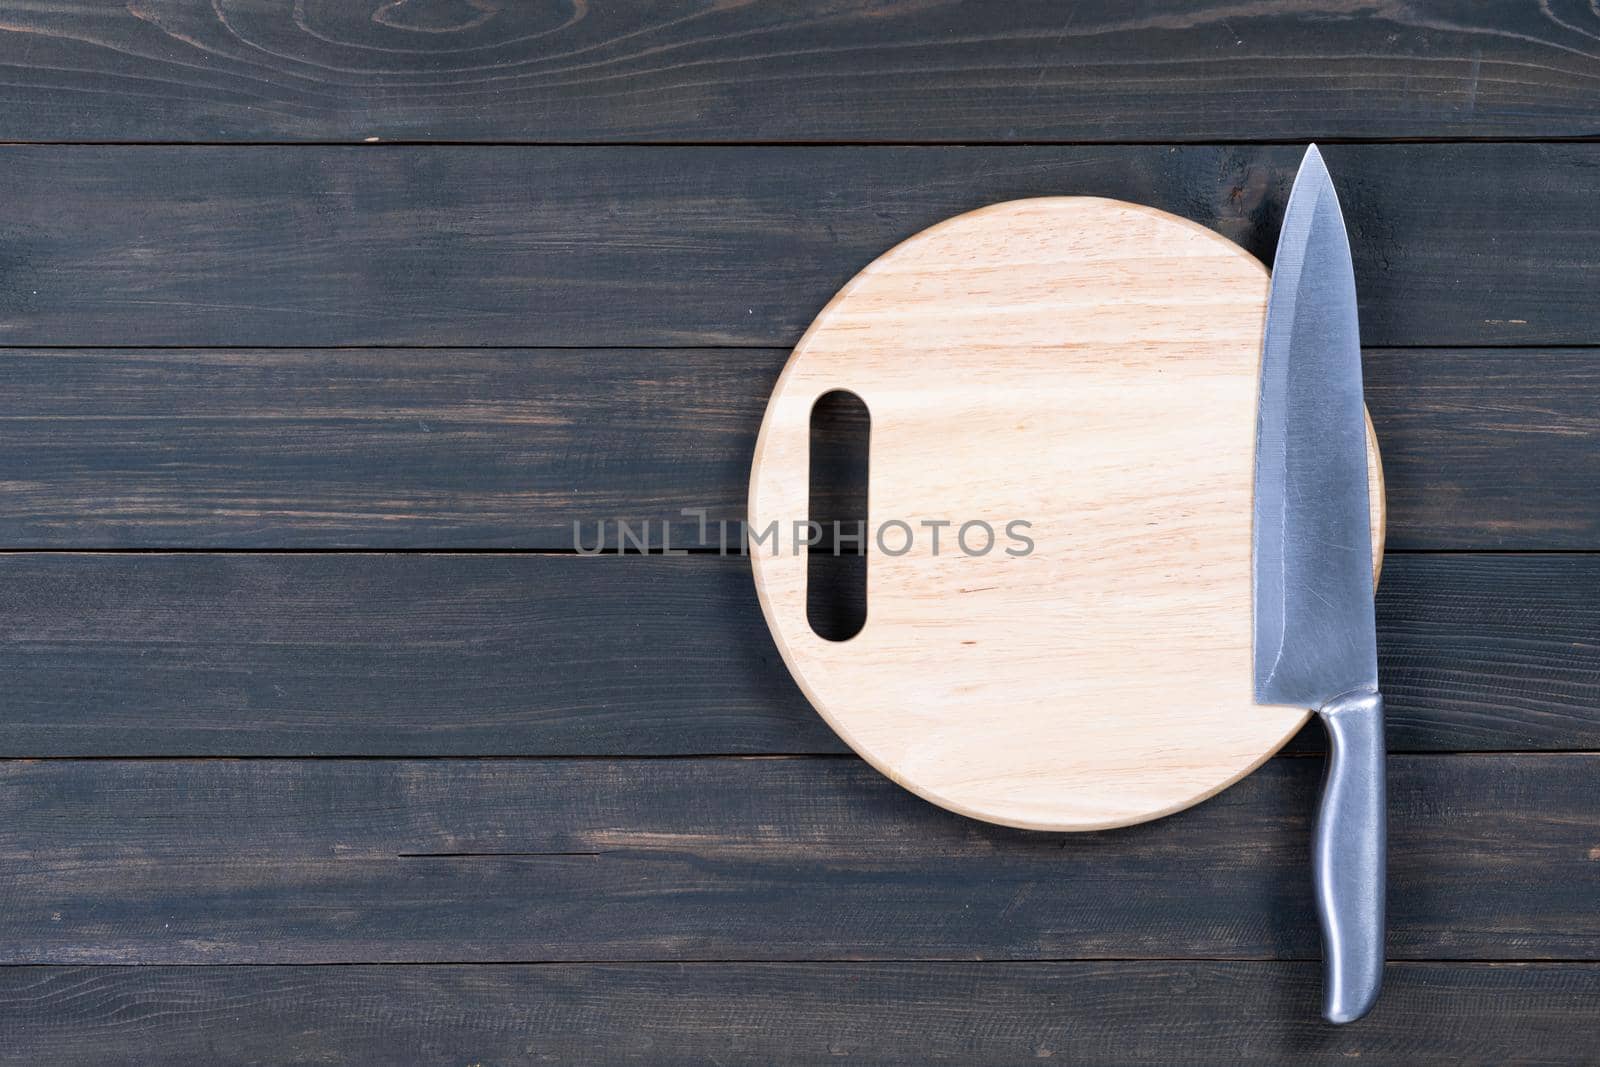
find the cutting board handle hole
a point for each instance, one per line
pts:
(836, 561)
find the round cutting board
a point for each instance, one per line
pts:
(1088, 367)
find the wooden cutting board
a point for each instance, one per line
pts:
(1087, 366)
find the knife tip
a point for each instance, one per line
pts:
(1312, 180)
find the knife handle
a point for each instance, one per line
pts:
(1349, 856)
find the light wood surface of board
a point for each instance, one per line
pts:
(1087, 366)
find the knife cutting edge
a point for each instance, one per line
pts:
(1315, 637)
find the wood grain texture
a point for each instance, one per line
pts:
(356, 654)
(210, 442)
(1488, 448)
(475, 448)
(809, 71)
(1122, 1014)
(196, 246)
(323, 861)
(1090, 368)
(390, 654)
(430, 448)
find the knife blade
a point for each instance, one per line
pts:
(1315, 637)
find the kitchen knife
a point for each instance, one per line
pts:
(1315, 640)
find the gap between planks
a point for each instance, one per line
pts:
(817, 961)
(1077, 142)
(648, 757)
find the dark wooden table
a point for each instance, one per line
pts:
(321, 745)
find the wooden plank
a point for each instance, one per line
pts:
(1488, 448)
(330, 861)
(1490, 652)
(423, 448)
(1454, 244)
(272, 69)
(395, 654)
(477, 448)
(356, 654)
(1227, 1014)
